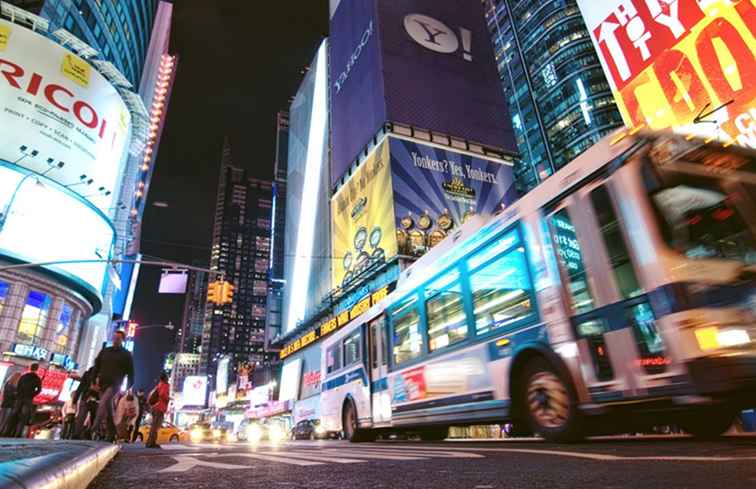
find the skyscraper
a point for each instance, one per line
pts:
(189, 335)
(241, 252)
(559, 100)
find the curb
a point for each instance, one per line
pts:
(58, 470)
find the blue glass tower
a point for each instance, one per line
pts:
(559, 99)
(119, 29)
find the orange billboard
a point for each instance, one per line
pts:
(689, 65)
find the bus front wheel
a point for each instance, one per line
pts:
(350, 425)
(550, 402)
(708, 423)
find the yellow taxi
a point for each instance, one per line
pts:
(167, 433)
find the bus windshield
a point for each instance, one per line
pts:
(705, 213)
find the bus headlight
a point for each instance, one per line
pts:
(254, 433)
(711, 338)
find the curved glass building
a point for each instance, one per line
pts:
(558, 97)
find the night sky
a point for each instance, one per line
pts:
(240, 62)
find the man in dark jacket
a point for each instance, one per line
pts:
(113, 364)
(29, 385)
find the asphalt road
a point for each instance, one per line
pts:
(643, 463)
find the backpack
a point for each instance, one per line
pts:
(154, 397)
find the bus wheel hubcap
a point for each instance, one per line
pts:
(548, 400)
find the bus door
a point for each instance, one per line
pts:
(381, 401)
(612, 317)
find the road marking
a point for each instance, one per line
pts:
(185, 463)
(321, 458)
(271, 458)
(371, 454)
(445, 453)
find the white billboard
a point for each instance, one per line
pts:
(194, 391)
(221, 379)
(290, 376)
(54, 102)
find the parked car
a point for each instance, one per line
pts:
(310, 429)
(167, 433)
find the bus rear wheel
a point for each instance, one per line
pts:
(350, 424)
(709, 423)
(550, 403)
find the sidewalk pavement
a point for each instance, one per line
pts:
(33, 464)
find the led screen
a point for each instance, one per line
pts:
(45, 223)
(290, 380)
(194, 391)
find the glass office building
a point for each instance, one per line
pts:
(559, 99)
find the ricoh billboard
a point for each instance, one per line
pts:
(424, 63)
(682, 64)
(405, 198)
(54, 102)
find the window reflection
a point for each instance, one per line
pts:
(34, 317)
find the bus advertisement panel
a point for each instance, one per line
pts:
(684, 64)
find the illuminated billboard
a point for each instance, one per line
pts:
(423, 63)
(60, 106)
(45, 222)
(405, 198)
(290, 380)
(194, 390)
(684, 64)
(221, 378)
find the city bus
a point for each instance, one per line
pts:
(620, 293)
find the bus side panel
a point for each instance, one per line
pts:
(349, 384)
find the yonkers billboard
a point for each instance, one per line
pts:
(684, 64)
(406, 198)
(424, 63)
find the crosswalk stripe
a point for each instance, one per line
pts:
(271, 458)
(422, 453)
(371, 454)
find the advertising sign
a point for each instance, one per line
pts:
(685, 64)
(194, 390)
(362, 216)
(52, 385)
(221, 379)
(290, 380)
(60, 106)
(424, 63)
(405, 198)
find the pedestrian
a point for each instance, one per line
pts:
(112, 365)
(9, 400)
(158, 401)
(29, 385)
(126, 414)
(69, 419)
(142, 400)
(85, 397)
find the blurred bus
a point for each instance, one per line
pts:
(619, 293)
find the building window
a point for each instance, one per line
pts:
(63, 326)
(4, 290)
(408, 340)
(34, 317)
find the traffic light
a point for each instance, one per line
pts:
(227, 293)
(131, 329)
(214, 292)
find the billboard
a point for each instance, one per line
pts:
(290, 381)
(194, 390)
(60, 106)
(405, 198)
(362, 216)
(684, 64)
(424, 63)
(221, 378)
(44, 222)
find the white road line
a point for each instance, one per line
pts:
(421, 452)
(320, 458)
(370, 455)
(185, 463)
(271, 458)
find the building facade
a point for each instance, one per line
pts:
(559, 99)
(241, 253)
(189, 335)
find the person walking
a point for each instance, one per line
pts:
(29, 385)
(142, 400)
(9, 401)
(126, 414)
(85, 398)
(158, 401)
(69, 419)
(112, 365)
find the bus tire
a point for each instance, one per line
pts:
(708, 424)
(434, 434)
(549, 402)
(350, 425)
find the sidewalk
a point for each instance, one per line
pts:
(32, 464)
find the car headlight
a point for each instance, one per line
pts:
(275, 433)
(254, 433)
(217, 434)
(320, 430)
(712, 337)
(196, 435)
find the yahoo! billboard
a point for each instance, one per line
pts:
(423, 63)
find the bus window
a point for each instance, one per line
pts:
(408, 340)
(619, 257)
(333, 358)
(571, 260)
(352, 349)
(378, 337)
(447, 322)
(502, 292)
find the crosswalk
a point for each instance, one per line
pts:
(238, 457)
